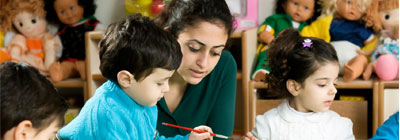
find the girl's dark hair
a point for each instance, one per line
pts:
(181, 14)
(88, 6)
(25, 94)
(317, 9)
(137, 45)
(290, 60)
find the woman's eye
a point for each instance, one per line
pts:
(387, 17)
(216, 54)
(33, 21)
(322, 85)
(159, 84)
(21, 24)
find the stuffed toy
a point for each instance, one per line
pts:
(75, 18)
(349, 25)
(288, 14)
(33, 43)
(385, 57)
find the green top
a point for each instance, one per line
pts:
(278, 22)
(211, 102)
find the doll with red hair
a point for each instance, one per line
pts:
(33, 43)
(75, 18)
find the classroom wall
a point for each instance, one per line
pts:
(109, 11)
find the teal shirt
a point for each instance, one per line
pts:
(112, 114)
(211, 102)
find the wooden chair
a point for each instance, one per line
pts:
(93, 74)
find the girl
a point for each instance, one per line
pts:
(203, 89)
(304, 70)
(288, 14)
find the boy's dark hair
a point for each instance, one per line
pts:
(89, 8)
(180, 14)
(137, 45)
(317, 9)
(25, 94)
(290, 60)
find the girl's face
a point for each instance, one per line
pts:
(317, 92)
(299, 10)
(30, 25)
(151, 89)
(201, 46)
(349, 9)
(69, 12)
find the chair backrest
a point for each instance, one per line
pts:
(249, 45)
(93, 74)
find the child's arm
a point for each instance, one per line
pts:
(266, 36)
(192, 135)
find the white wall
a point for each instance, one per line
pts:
(109, 11)
(265, 8)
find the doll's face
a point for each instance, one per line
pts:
(349, 9)
(390, 21)
(30, 25)
(69, 12)
(299, 10)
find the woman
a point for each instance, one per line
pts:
(203, 89)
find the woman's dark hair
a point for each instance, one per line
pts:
(181, 14)
(137, 45)
(25, 94)
(290, 60)
(89, 8)
(317, 9)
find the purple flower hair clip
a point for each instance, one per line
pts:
(307, 43)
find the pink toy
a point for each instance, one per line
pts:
(387, 68)
(248, 17)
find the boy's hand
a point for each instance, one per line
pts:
(201, 136)
(249, 136)
(266, 37)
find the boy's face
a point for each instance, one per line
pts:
(24, 130)
(151, 89)
(299, 10)
(69, 12)
(318, 90)
(349, 9)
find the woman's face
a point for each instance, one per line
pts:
(201, 46)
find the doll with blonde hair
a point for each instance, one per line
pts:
(349, 25)
(33, 43)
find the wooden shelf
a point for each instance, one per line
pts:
(70, 83)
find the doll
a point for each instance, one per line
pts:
(288, 14)
(389, 13)
(75, 17)
(33, 43)
(349, 25)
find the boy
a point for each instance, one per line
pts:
(137, 58)
(31, 108)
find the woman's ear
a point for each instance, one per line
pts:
(24, 131)
(293, 87)
(125, 78)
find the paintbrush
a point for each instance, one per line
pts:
(197, 131)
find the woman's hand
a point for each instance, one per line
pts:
(249, 136)
(201, 136)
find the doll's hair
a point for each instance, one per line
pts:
(15, 7)
(89, 8)
(182, 14)
(25, 94)
(388, 5)
(139, 46)
(291, 60)
(317, 9)
(368, 7)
